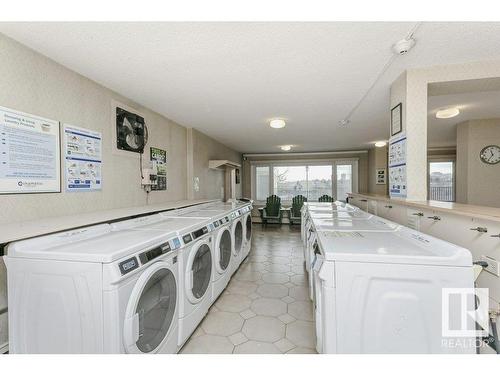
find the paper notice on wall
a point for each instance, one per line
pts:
(159, 161)
(397, 166)
(29, 153)
(83, 159)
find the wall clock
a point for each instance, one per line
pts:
(490, 154)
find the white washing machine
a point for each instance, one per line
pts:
(197, 263)
(344, 228)
(382, 292)
(92, 290)
(247, 227)
(238, 234)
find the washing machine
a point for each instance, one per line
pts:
(382, 292)
(196, 263)
(348, 228)
(94, 290)
(247, 226)
(238, 234)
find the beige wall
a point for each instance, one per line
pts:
(35, 84)
(211, 181)
(377, 158)
(477, 183)
(411, 89)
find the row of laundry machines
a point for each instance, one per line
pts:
(379, 287)
(140, 285)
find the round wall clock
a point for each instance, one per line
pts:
(490, 154)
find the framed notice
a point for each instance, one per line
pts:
(396, 119)
(380, 176)
(30, 153)
(82, 159)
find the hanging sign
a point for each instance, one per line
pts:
(29, 153)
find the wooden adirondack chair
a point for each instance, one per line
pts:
(295, 214)
(325, 198)
(272, 211)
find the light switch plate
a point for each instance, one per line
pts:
(493, 266)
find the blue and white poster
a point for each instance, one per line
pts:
(83, 159)
(397, 166)
(29, 153)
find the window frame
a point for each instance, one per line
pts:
(354, 162)
(443, 159)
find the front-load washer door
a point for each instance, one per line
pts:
(238, 237)
(248, 231)
(223, 250)
(152, 309)
(198, 272)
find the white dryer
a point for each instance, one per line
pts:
(247, 227)
(382, 292)
(196, 264)
(92, 290)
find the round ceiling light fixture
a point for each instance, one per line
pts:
(286, 147)
(380, 144)
(277, 123)
(448, 112)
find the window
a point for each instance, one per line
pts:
(319, 181)
(336, 178)
(344, 181)
(289, 182)
(261, 183)
(442, 181)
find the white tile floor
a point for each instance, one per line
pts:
(265, 308)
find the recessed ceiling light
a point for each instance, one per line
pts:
(277, 123)
(447, 112)
(286, 147)
(380, 144)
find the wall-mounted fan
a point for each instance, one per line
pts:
(131, 131)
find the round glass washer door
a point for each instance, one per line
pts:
(238, 237)
(224, 249)
(248, 227)
(151, 310)
(198, 272)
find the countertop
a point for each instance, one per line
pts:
(19, 230)
(469, 210)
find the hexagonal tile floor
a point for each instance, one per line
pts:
(265, 308)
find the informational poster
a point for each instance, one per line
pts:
(159, 163)
(83, 159)
(397, 166)
(380, 176)
(30, 153)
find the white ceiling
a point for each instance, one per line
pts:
(472, 106)
(229, 79)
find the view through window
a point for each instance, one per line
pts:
(261, 183)
(441, 181)
(344, 181)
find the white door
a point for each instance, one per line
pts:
(223, 250)
(152, 309)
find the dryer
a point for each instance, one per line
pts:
(92, 290)
(382, 292)
(238, 234)
(196, 264)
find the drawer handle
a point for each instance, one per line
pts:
(389, 206)
(435, 218)
(496, 235)
(480, 229)
(418, 214)
(364, 200)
